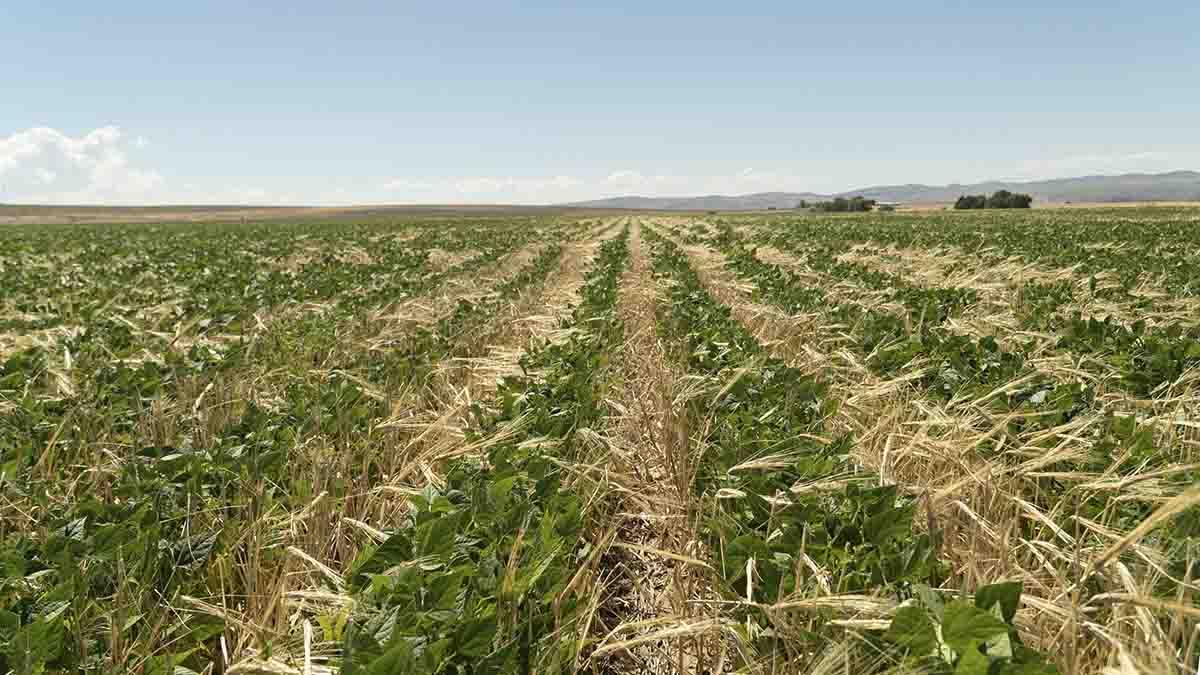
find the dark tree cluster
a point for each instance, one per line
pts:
(843, 205)
(971, 202)
(1001, 199)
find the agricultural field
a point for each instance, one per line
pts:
(938, 442)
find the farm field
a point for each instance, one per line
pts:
(943, 442)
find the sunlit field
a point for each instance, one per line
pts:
(937, 442)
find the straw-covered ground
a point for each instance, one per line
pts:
(893, 443)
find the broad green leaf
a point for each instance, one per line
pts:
(1005, 594)
(912, 630)
(965, 626)
(972, 662)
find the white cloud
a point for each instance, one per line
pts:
(626, 178)
(650, 184)
(44, 165)
(489, 186)
(630, 181)
(252, 195)
(407, 185)
(479, 189)
(564, 188)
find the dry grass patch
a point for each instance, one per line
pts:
(649, 619)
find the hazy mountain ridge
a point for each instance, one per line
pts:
(1171, 186)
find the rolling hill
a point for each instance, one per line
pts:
(1173, 186)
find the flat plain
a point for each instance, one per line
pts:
(540, 441)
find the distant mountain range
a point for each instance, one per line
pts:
(1131, 187)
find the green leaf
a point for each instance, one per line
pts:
(891, 523)
(965, 626)
(475, 636)
(931, 600)
(1000, 646)
(395, 549)
(397, 659)
(9, 622)
(444, 589)
(1006, 594)
(1037, 667)
(972, 662)
(912, 630)
(168, 664)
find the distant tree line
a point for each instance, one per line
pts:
(1001, 199)
(840, 205)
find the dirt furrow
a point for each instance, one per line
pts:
(653, 568)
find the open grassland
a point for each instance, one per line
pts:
(536, 442)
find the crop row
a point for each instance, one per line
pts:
(1151, 244)
(788, 517)
(1146, 360)
(113, 369)
(957, 366)
(169, 276)
(485, 574)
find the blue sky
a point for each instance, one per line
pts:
(534, 102)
